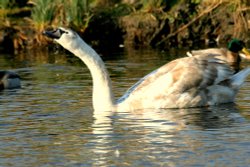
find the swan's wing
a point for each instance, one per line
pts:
(147, 79)
(178, 77)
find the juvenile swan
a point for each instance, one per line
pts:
(9, 80)
(186, 82)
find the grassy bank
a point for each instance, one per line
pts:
(156, 23)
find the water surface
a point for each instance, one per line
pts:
(50, 121)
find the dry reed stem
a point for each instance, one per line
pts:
(211, 8)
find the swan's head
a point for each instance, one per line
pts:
(65, 37)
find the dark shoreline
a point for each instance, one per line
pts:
(185, 25)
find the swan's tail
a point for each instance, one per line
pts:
(238, 79)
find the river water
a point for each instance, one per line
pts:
(50, 121)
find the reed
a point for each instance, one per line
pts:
(4, 4)
(76, 12)
(60, 12)
(43, 12)
(240, 21)
(4, 8)
(238, 12)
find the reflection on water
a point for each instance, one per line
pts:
(50, 121)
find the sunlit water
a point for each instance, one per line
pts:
(50, 121)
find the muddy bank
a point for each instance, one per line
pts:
(186, 24)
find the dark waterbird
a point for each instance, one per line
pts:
(9, 80)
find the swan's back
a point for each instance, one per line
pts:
(185, 82)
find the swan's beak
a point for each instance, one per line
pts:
(245, 54)
(54, 34)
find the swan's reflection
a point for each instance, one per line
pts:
(117, 135)
(178, 119)
(102, 133)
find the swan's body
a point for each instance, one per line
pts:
(9, 80)
(233, 54)
(185, 82)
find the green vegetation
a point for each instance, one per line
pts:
(43, 13)
(137, 22)
(3, 7)
(76, 11)
(59, 12)
(4, 4)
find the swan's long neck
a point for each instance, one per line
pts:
(102, 98)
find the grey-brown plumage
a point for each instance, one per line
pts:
(189, 82)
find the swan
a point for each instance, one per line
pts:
(9, 80)
(233, 54)
(182, 83)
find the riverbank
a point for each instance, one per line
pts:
(106, 24)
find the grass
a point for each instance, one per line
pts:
(4, 8)
(4, 4)
(76, 12)
(60, 12)
(43, 13)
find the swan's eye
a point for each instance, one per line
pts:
(62, 31)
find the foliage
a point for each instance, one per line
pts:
(67, 12)
(43, 12)
(158, 4)
(4, 7)
(4, 4)
(152, 3)
(147, 21)
(76, 11)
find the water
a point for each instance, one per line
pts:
(50, 121)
